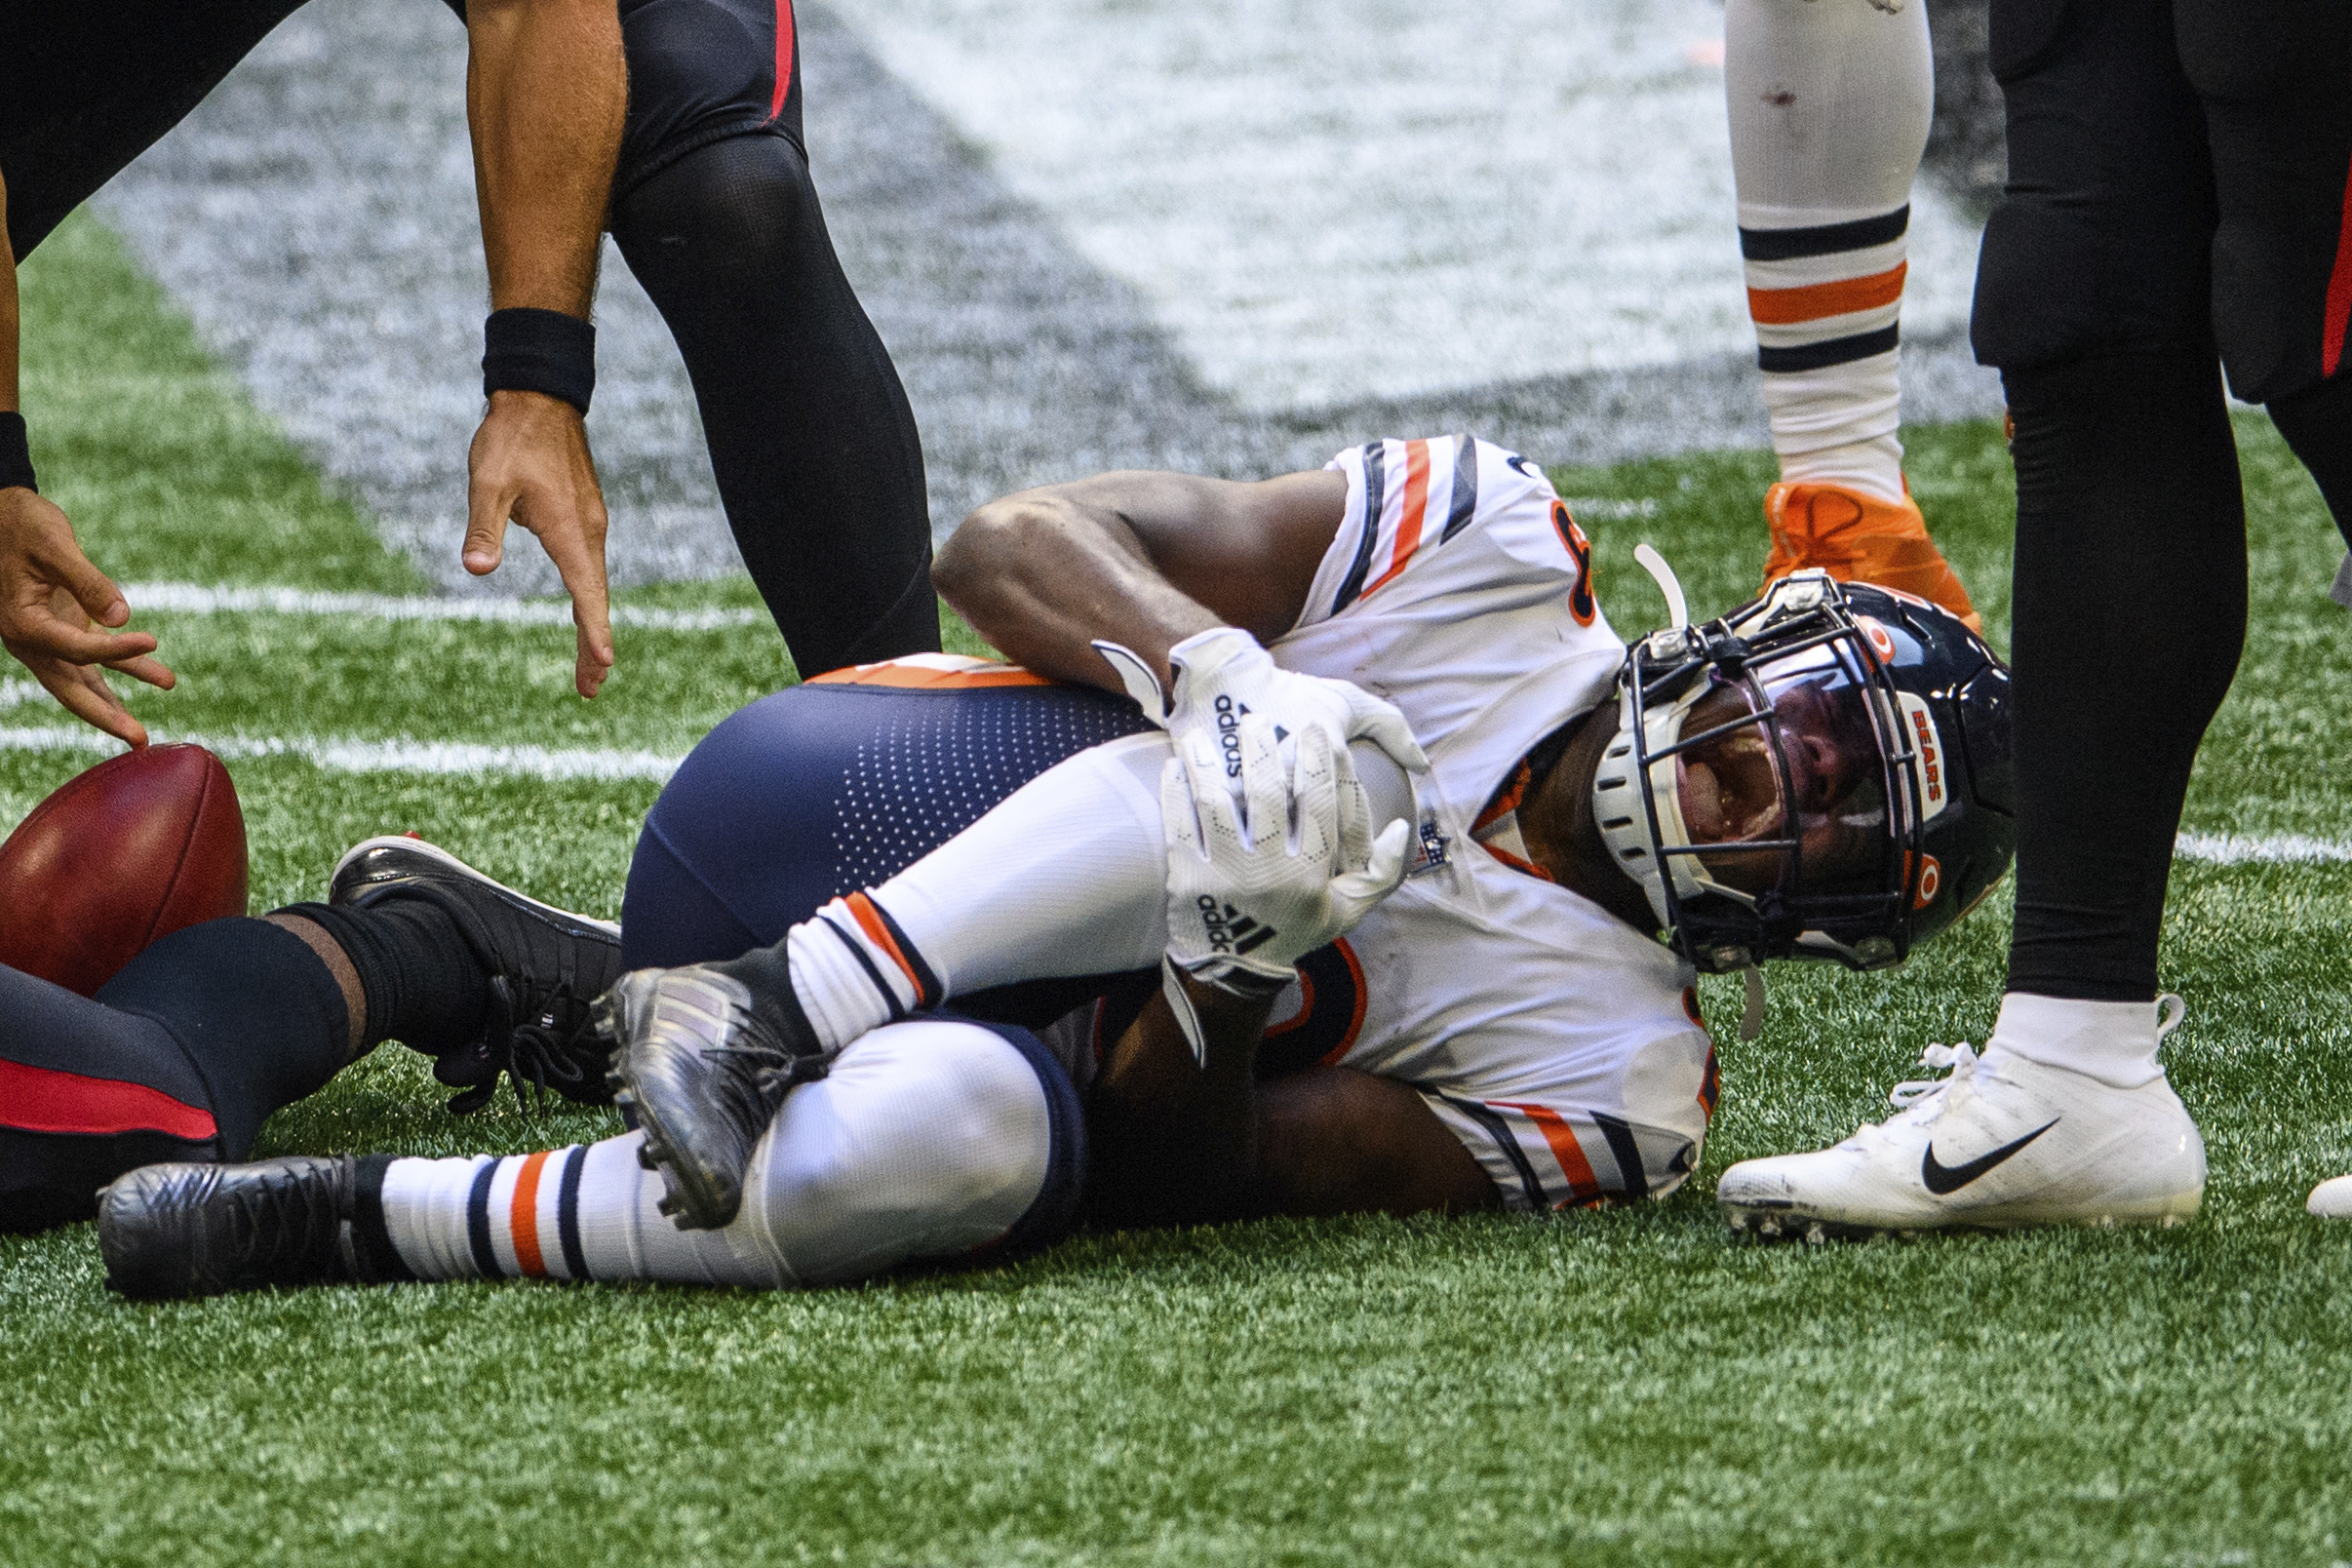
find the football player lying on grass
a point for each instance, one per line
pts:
(1142, 932)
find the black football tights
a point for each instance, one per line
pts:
(815, 450)
(2130, 616)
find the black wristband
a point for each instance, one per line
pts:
(15, 456)
(525, 351)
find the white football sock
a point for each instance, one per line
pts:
(1831, 101)
(2113, 1041)
(1067, 876)
(927, 1139)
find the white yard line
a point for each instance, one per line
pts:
(465, 759)
(2237, 849)
(195, 599)
(1609, 508)
(399, 754)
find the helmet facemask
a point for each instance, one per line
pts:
(1763, 784)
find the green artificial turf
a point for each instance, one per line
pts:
(1622, 1387)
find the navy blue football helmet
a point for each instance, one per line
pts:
(1827, 775)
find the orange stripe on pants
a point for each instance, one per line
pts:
(1581, 1183)
(523, 1217)
(1816, 302)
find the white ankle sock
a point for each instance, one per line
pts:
(2113, 1041)
(1829, 103)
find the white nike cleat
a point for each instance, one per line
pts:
(2000, 1143)
(2331, 1200)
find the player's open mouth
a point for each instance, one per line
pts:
(1730, 785)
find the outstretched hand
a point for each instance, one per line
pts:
(52, 605)
(530, 465)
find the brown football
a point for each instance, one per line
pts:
(128, 852)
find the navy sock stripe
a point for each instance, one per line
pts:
(476, 1223)
(1835, 351)
(929, 992)
(1827, 239)
(857, 950)
(567, 1213)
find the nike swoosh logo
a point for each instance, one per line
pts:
(1943, 1179)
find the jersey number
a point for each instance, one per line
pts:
(1580, 603)
(1330, 1015)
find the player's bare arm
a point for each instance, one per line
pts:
(1147, 558)
(545, 92)
(1180, 1142)
(53, 602)
(1167, 588)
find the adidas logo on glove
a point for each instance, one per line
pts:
(1229, 931)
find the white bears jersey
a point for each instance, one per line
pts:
(1560, 1046)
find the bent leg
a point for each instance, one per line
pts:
(812, 440)
(933, 1140)
(180, 1056)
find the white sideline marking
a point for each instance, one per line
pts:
(1609, 508)
(195, 599)
(2235, 848)
(400, 755)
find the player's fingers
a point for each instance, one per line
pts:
(489, 504)
(1356, 892)
(580, 562)
(1381, 724)
(1315, 797)
(40, 633)
(1213, 800)
(61, 560)
(153, 671)
(1354, 812)
(1177, 814)
(83, 692)
(1265, 784)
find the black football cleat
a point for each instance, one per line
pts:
(699, 1065)
(174, 1230)
(547, 968)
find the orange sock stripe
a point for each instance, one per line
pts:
(877, 931)
(1818, 301)
(523, 1217)
(1416, 503)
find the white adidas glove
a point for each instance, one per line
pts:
(1252, 890)
(1225, 673)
